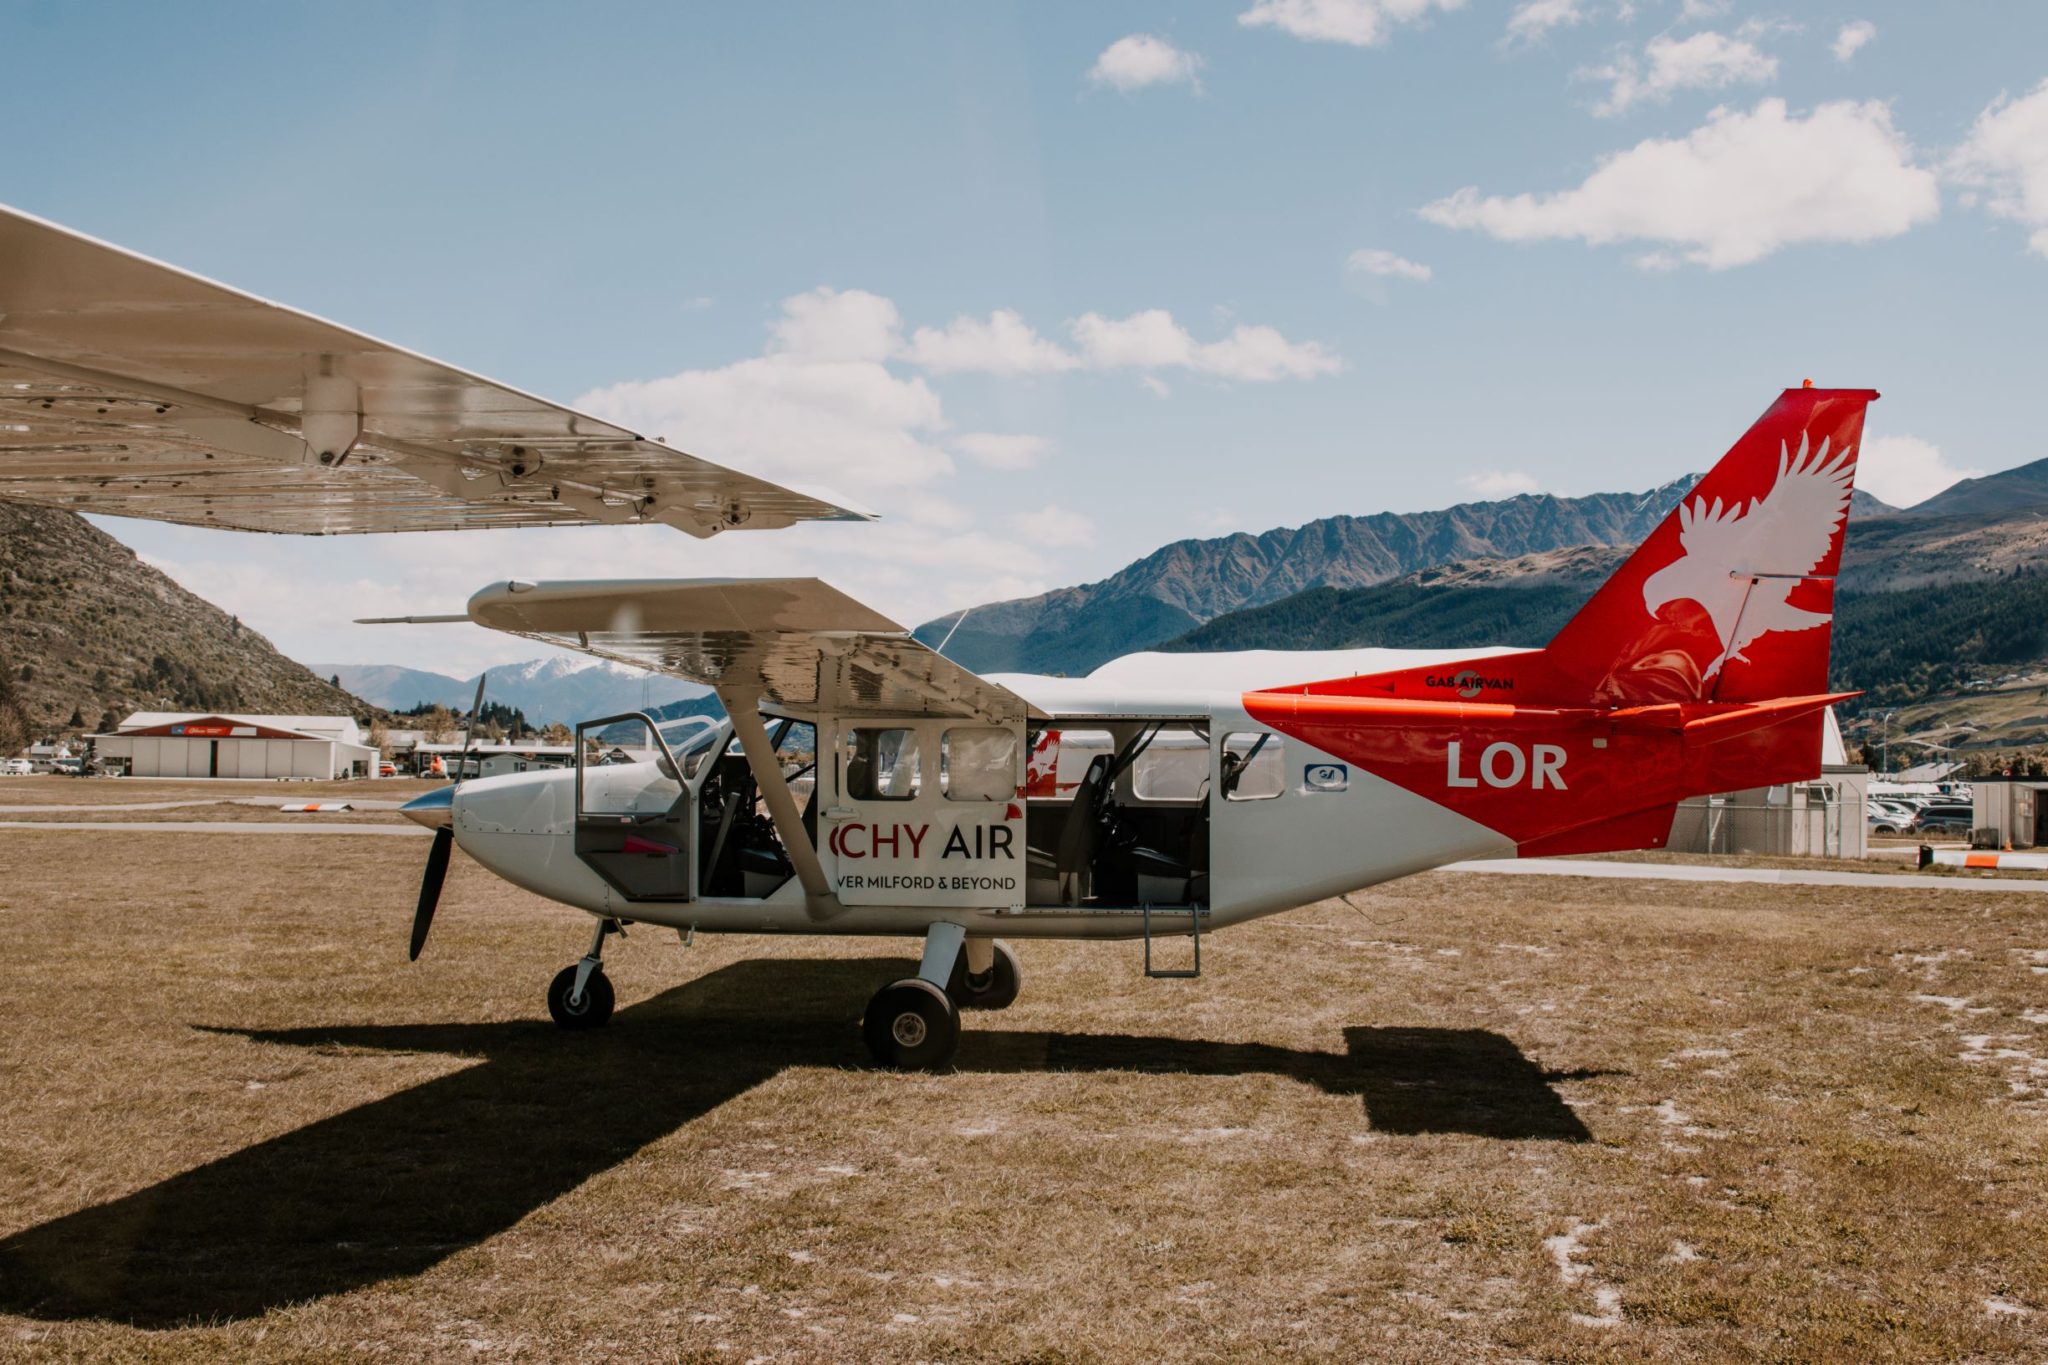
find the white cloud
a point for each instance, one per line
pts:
(2006, 156)
(837, 324)
(1360, 23)
(1261, 354)
(1054, 527)
(1152, 340)
(1371, 260)
(1140, 59)
(999, 450)
(1702, 61)
(1693, 11)
(1533, 20)
(1500, 483)
(850, 425)
(1732, 191)
(1903, 470)
(1147, 340)
(1003, 344)
(1850, 40)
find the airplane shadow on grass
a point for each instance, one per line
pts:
(398, 1185)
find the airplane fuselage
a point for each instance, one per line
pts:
(1301, 824)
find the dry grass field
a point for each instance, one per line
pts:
(1458, 1118)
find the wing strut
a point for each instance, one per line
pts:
(745, 710)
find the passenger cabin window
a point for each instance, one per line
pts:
(1174, 766)
(881, 765)
(978, 763)
(1252, 767)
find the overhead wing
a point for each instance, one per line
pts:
(134, 389)
(799, 642)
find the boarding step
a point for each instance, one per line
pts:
(1194, 915)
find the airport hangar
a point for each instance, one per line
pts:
(197, 744)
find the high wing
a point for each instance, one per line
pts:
(799, 642)
(131, 388)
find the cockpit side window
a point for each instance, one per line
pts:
(978, 763)
(1252, 766)
(880, 765)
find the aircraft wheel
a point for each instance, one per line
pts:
(591, 1011)
(996, 990)
(912, 1026)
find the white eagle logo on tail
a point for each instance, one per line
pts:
(1785, 533)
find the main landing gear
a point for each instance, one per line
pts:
(581, 996)
(914, 1024)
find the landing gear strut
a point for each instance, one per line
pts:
(581, 996)
(986, 975)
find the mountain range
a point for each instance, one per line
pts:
(563, 688)
(1941, 616)
(1176, 589)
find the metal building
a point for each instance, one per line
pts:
(171, 744)
(2010, 810)
(1819, 818)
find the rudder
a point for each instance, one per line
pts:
(1731, 598)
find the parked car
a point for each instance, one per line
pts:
(1945, 817)
(1886, 822)
(17, 767)
(387, 770)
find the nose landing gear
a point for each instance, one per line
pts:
(581, 995)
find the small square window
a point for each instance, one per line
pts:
(978, 763)
(881, 765)
(1253, 768)
(1173, 767)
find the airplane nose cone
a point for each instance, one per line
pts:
(434, 809)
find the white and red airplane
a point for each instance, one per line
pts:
(862, 783)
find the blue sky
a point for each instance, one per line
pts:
(1053, 284)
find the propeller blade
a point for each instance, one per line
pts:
(430, 889)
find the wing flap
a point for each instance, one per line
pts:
(131, 388)
(799, 642)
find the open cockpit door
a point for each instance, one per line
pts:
(637, 835)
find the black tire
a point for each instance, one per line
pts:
(592, 1010)
(995, 991)
(912, 1026)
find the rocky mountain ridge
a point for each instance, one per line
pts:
(1179, 586)
(89, 632)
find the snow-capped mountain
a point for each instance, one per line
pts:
(560, 688)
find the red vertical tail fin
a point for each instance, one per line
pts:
(1732, 596)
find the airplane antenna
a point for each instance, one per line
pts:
(941, 650)
(476, 709)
